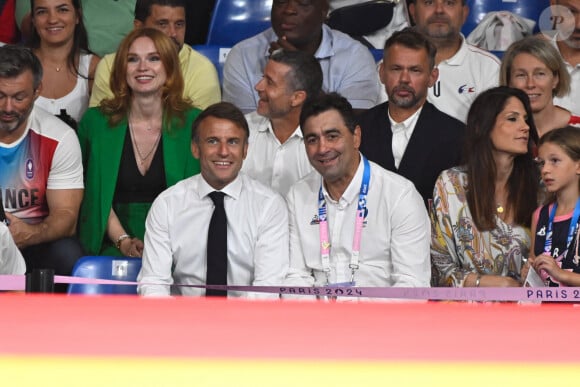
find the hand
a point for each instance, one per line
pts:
(281, 43)
(547, 264)
(131, 247)
(20, 230)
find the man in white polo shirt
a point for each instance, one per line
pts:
(464, 70)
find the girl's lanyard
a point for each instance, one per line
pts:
(359, 220)
(571, 228)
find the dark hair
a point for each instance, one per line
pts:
(523, 181)
(80, 39)
(326, 102)
(411, 38)
(305, 73)
(222, 110)
(15, 60)
(143, 7)
(568, 139)
(174, 104)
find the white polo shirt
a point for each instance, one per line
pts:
(461, 78)
(571, 101)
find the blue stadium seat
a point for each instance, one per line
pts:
(110, 268)
(530, 9)
(236, 20)
(217, 54)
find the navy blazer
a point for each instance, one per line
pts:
(435, 145)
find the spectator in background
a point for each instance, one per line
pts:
(464, 70)
(534, 66)
(375, 38)
(200, 76)
(481, 211)
(41, 175)
(348, 66)
(407, 134)
(59, 40)
(276, 155)
(569, 48)
(106, 21)
(135, 144)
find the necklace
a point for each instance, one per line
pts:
(499, 209)
(139, 153)
(58, 69)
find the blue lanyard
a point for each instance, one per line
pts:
(571, 229)
(359, 220)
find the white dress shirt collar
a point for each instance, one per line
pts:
(399, 143)
(269, 128)
(234, 189)
(409, 123)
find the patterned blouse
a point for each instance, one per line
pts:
(459, 248)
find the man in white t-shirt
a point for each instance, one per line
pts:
(41, 178)
(464, 70)
(276, 155)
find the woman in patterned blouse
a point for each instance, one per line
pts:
(481, 211)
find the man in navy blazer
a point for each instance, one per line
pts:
(407, 134)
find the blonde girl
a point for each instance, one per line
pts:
(555, 225)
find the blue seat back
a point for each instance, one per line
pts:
(216, 53)
(530, 9)
(103, 267)
(235, 20)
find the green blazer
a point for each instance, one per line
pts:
(101, 147)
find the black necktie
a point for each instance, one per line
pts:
(217, 246)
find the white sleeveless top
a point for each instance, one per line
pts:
(75, 102)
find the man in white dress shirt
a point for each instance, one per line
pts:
(276, 155)
(178, 222)
(464, 70)
(351, 221)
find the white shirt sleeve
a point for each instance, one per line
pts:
(11, 261)
(271, 248)
(66, 171)
(410, 240)
(156, 269)
(236, 82)
(298, 273)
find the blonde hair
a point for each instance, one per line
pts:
(544, 51)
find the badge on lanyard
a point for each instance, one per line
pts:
(359, 221)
